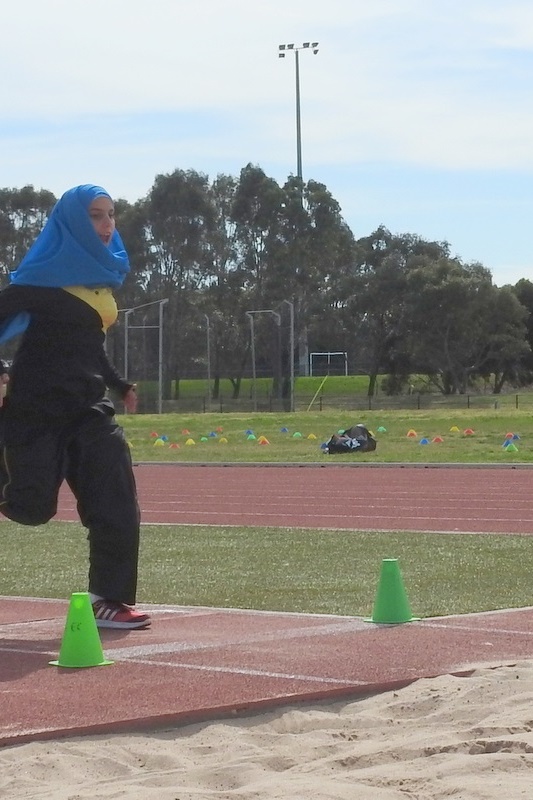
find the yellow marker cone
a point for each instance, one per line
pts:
(391, 605)
(81, 645)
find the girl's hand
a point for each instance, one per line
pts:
(4, 380)
(130, 400)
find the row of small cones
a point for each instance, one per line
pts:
(81, 645)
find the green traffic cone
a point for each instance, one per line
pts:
(81, 645)
(391, 606)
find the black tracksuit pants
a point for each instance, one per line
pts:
(92, 455)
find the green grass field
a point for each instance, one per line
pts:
(292, 569)
(298, 437)
(334, 572)
(303, 387)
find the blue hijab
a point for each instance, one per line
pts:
(68, 252)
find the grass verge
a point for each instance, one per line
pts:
(334, 572)
(297, 438)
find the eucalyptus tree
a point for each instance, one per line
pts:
(523, 290)
(23, 214)
(462, 326)
(371, 296)
(142, 351)
(315, 243)
(180, 219)
(256, 212)
(222, 299)
(507, 349)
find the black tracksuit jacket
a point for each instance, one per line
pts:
(60, 369)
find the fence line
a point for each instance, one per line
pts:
(200, 404)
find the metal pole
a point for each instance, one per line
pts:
(254, 376)
(208, 360)
(282, 50)
(277, 317)
(278, 367)
(160, 375)
(291, 307)
(126, 344)
(298, 118)
(127, 312)
(291, 354)
(252, 339)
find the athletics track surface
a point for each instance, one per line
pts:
(199, 664)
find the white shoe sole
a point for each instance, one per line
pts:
(125, 626)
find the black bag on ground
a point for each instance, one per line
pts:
(357, 439)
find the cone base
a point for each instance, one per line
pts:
(80, 666)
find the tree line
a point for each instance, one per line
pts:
(397, 304)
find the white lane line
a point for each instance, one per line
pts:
(242, 671)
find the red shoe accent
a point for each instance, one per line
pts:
(109, 614)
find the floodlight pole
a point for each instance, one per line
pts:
(298, 117)
(282, 49)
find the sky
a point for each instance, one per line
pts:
(415, 114)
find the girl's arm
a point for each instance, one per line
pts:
(113, 380)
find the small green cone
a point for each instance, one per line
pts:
(391, 606)
(81, 645)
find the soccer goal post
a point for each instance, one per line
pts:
(327, 360)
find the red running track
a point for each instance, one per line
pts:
(197, 664)
(440, 498)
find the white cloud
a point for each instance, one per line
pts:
(117, 92)
(411, 80)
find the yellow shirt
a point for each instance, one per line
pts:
(101, 299)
